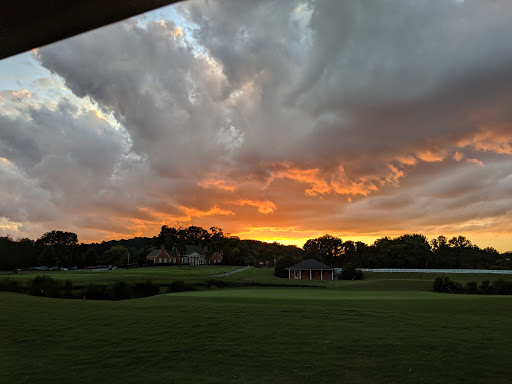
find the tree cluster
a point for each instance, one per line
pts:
(62, 249)
(234, 251)
(59, 248)
(406, 251)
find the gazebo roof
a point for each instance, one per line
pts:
(310, 264)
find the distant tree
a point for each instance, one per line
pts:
(328, 249)
(438, 242)
(90, 257)
(117, 255)
(8, 259)
(48, 257)
(282, 263)
(197, 235)
(442, 253)
(62, 242)
(460, 242)
(59, 238)
(406, 251)
(464, 254)
(141, 256)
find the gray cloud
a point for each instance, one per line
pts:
(347, 116)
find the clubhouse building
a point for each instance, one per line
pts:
(310, 270)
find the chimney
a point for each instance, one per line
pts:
(163, 248)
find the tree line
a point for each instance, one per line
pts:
(60, 248)
(406, 251)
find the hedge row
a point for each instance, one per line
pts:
(47, 287)
(443, 283)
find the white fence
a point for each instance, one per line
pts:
(497, 271)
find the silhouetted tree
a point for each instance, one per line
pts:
(62, 242)
(328, 249)
(117, 255)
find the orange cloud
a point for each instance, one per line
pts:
(99, 115)
(215, 211)
(492, 138)
(150, 219)
(282, 235)
(337, 182)
(406, 159)
(393, 176)
(309, 176)
(264, 206)
(432, 155)
(217, 183)
(7, 225)
(23, 94)
(177, 32)
(458, 156)
(475, 161)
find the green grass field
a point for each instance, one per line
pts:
(187, 273)
(386, 329)
(200, 274)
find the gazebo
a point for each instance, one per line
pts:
(310, 269)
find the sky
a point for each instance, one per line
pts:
(274, 120)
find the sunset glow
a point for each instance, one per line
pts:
(275, 121)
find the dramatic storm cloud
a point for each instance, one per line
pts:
(276, 120)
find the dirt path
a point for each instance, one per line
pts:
(230, 273)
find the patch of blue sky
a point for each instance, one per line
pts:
(169, 12)
(20, 71)
(24, 72)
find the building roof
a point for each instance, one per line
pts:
(190, 249)
(154, 252)
(310, 264)
(213, 255)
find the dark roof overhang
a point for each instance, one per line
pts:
(29, 24)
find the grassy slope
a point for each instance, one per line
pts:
(195, 274)
(156, 274)
(285, 335)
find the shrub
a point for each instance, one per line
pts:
(349, 272)
(121, 291)
(45, 286)
(472, 287)
(501, 287)
(443, 283)
(179, 286)
(96, 292)
(212, 283)
(485, 287)
(9, 285)
(457, 287)
(68, 289)
(145, 289)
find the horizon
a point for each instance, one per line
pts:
(299, 243)
(277, 121)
